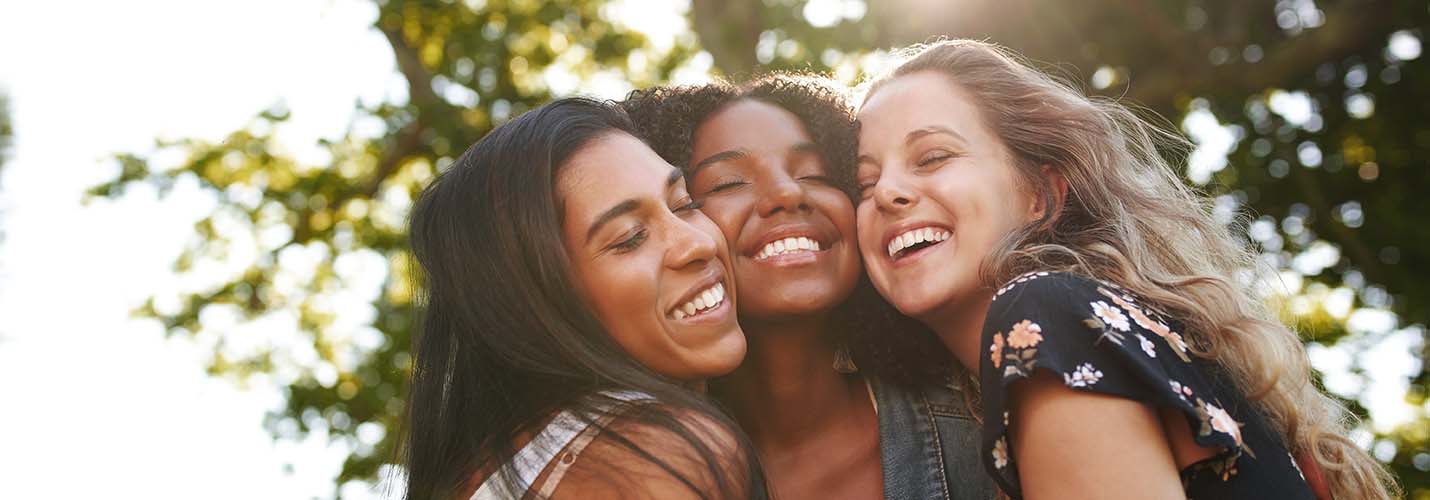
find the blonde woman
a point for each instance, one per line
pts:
(1042, 236)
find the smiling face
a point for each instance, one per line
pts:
(939, 191)
(764, 182)
(652, 268)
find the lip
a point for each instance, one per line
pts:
(903, 227)
(716, 276)
(824, 239)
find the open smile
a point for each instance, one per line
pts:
(701, 303)
(789, 245)
(911, 242)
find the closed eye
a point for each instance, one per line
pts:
(818, 178)
(726, 186)
(630, 242)
(936, 157)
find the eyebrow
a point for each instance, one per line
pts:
(729, 154)
(932, 130)
(629, 205)
(914, 136)
(735, 154)
(806, 147)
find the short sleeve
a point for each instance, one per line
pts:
(1094, 337)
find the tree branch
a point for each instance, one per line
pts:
(420, 94)
(729, 30)
(409, 63)
(1343, 34)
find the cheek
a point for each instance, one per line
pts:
(710, 226)
(872, 253)
(867, 231)
(841, 213)
(622, 296)
(725, 210)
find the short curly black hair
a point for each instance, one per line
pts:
(883, 341)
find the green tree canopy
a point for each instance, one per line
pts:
(7, 130)
(1327, 148)
(7, 136)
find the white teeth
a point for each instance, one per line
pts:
(787, 245)
(707, 299)
(915, 236)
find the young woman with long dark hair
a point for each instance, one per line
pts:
(1050, 245)
(762, 159)
(575, 301)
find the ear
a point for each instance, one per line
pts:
(1057, 195)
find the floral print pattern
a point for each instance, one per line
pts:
(996, 350)
(1143, 320)
(1147, 346)
(1026, 277)
(1101, 338)
(1110, 315)
(1221, 421)
(1084, 376)
(1183, 392)
(1020, 353)
(1000, 453)
(1025, 334)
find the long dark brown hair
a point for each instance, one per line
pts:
(505, 342)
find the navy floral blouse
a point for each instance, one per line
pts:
(1097, 337)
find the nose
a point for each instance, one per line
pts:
(689, 245)
(781, 193)
(891, 194)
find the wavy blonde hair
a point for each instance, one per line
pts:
(1128, 218)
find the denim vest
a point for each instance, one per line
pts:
(928, 443)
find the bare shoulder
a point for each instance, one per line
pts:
(659, 452)
(1078, 444)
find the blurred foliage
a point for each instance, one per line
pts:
(7, 130)
(7, 136)
(294, 244)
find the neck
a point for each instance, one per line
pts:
(959, 325)
(787, 388)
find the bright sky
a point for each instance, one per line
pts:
(93, 394)
(97, 404)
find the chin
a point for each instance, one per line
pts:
(919, 304)
(793, 308)
(725, 357)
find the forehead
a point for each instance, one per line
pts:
(611, 169)
(915, 101)
(749, 124)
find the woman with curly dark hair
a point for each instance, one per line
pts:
(772, 163)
